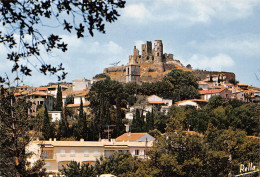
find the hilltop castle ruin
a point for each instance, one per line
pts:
(152, 65)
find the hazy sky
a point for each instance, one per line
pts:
(222, 35)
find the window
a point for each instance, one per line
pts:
(86, 153)
(44, 155)
(62, 153)
(96, 152)
(136, 152)
(72, 153)
(47, 164)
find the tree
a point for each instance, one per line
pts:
(47, 128)
(182, 84)
(37, 121)
(215, 102)
(119, 164)
(23, 23)
(138, 123)
(15, 136)
(77, 169)
(59, 99)
(82, 123)
(106, 100)
(69, 100)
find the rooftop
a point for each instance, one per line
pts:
(130, 136)
(92, 144)
(203, 92)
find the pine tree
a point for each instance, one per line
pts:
(59, 99)
(15, 136)
(47, 128)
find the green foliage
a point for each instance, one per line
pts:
(59, 99)
(235, 114)
(215, 102)
(106, 98)
(82, 123)
(14, 132)
(177, 85)
(48, 126)
(138, 123)
(102, 75)
(119, 164)
(37, 121)
(182, 84)
(63, 127)
(155, 120)
(29, 18)
(69, 100)
(75, 169)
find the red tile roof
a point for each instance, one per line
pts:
(39, 93)
(130, 136)
(155, 102)
(203, 92)
(41, 88)
(77, 105)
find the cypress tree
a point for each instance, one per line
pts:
(82, 122)
(63, 130)
(47, 128)
(59, 99)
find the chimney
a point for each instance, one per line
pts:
(54, 139)
(50, 139)
(81, 140)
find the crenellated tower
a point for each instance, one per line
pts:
(158, 51)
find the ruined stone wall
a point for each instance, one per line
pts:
(202, 74)
(115, 69)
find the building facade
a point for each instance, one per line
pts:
(59, 153)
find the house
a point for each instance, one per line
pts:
(135, 137)
(216, 79)
(39, 99)
(161, 104)
(81, 84)
(252, 95)
(197, 103)
(53, 89)
(223, 92)
(238, 93)
(59, 153)
(78, 97)
(55, 115)
(203, 85)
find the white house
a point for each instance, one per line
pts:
(81, 84)
(55, 115)
(203, 85)
(197, 103)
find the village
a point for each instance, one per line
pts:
(152, 66)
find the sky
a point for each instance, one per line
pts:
(214, 35)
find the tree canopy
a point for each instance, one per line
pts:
(23, 23)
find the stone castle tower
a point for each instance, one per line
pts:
(152, 60)
(158, 51)
(133, 73)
